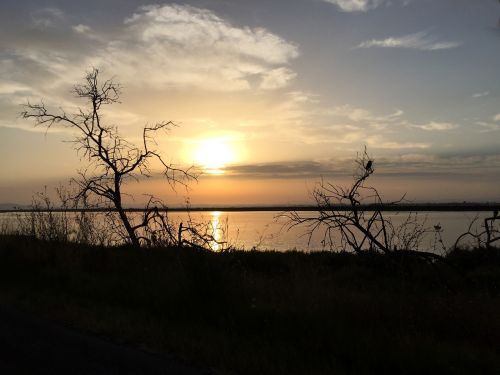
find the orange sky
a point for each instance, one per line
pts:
(266, 102)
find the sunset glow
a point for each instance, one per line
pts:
(213, 154)
(263, 100)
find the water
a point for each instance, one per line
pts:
(267, 230)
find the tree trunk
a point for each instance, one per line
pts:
(123, 215)
(126, 223)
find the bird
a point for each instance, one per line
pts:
(369, 164)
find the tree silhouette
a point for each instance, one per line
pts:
(352, 217)
(111, 158)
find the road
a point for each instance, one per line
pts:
(30, 345)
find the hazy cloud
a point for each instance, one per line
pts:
(481, 94)
(487, 127)
(497, 117)
(360, 114)
(420, 41)
(381, 143)
(47, 17)
(437, 126)
(81, 29)
(352, 126)
(87, 32)
(357, 5)
(364, 5)
(13, 88)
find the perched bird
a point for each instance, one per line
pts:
(369, 164)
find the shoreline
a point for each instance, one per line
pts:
(419, 207)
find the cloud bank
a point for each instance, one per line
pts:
(409, 164)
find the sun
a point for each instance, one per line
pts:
(213, 154)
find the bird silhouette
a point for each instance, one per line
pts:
(369, 164)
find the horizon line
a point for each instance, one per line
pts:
(440, 206)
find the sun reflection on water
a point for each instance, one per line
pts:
(215, 244)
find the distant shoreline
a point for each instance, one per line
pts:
(437, 207)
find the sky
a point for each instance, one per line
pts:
(269, 96)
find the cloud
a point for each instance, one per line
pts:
(378, 142)
(437, 126)
(188, 27)
(181, 45)
(487, 127)
(357, 5)
(420, 41)
(363, 5)
(81, 29)
(46, 17)
(428, 164)
(13, 88)
(87, 32)
(497, 118)
(359, 114)
(408, 163)
(349, 126)
(166, 47)
(277, 78)
(291, 169)
(481, 94)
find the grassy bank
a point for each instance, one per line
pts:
(267, 312)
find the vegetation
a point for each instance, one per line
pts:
(60, 220)
(267, 312)
(112, 160)
(355, 215)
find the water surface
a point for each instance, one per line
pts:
(267, 230)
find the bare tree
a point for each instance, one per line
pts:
(111, 158)
(485, 235)
(353, 215)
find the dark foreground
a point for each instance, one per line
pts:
(259, 313)
(30, 345)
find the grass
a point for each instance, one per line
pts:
(269, 312)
